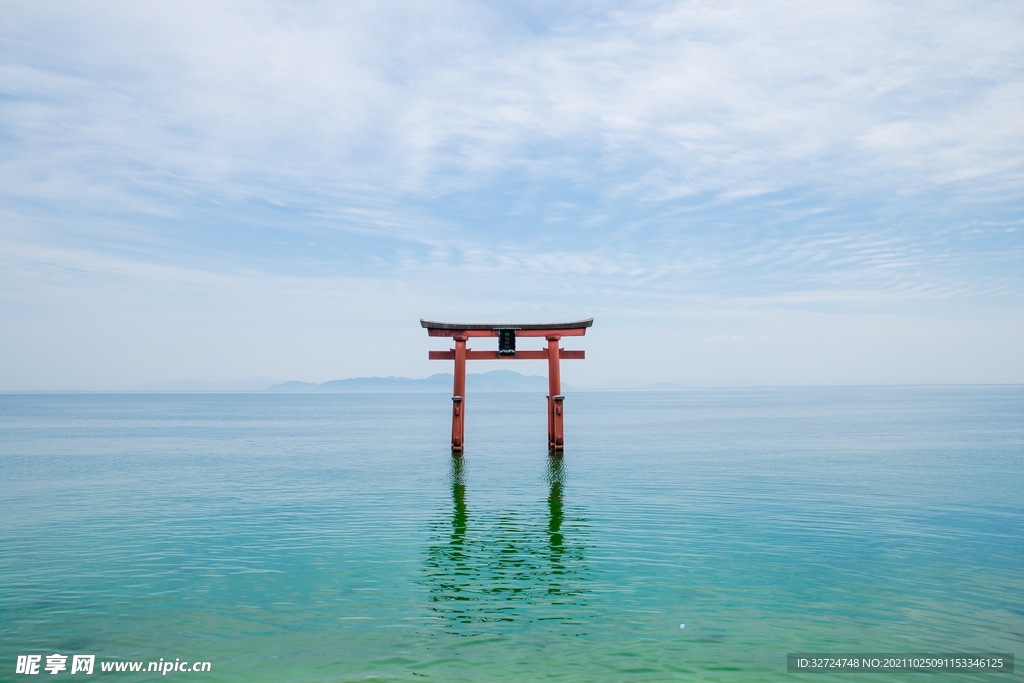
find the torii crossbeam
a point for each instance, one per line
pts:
(506, 334)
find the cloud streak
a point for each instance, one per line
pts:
(660, 160)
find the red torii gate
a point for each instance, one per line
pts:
(506, 334)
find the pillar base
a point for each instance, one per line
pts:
(556, 441)
(458, 424)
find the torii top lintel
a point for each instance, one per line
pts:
(576, 328)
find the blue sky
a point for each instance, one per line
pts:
(738, 193)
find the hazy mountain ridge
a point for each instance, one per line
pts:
(496, 380)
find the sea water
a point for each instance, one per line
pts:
(333, 537)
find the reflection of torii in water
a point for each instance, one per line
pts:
(502, 568)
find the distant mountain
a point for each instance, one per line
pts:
(496, 380)
(193, 386)
(358, 385)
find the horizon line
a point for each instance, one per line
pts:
(655, 387)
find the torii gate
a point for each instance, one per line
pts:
(506, 334)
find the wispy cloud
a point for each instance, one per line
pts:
(652, 159)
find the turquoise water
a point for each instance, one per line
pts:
(334, 538)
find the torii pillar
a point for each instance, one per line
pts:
(506, 334)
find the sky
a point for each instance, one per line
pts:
(760, 193)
